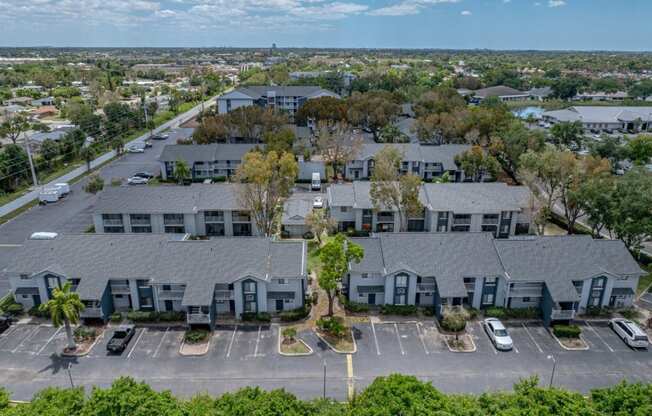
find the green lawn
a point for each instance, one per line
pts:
(645, 281)
(314, 264)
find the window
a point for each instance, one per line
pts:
(213, 216)
(526, 299)
(24, 277)
(140, 223)
(242, 230)
(249, 287)
(365, 275)
(281, 281)
(215, 230)
(344, 209)
(288, 300)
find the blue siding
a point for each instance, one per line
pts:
(106, 303)
(546, 306)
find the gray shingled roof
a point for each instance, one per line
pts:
(258, 91)
(444, 154)
(166, 199)
(192, 153)
(497, 91)
(357, 195)
(95, 258)
(601, 114)
(295, 210)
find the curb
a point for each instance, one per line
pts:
(461, 352)
(355, 345)
(571, 348)
(298, 354)
(63, 354)
(199, 354)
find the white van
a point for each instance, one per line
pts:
(63, 187)
(48, 195)
(631, 333)
(43, 236)
(315, 184)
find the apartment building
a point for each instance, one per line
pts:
(206, 161)
(448, 207)
(425, 161)
(201, 210)
(206, 279)
(560, 275)
(288, 99)
(604, 118)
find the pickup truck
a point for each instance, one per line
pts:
(121, 337)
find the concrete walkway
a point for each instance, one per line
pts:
(33, 195)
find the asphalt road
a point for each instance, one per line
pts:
(248, 356)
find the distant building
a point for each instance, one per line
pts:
(502, 92)
(601, 96)
(540, 94)
(205, 161)
(603, 118)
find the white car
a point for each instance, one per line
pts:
(498, 334)
(631, 333)
(318, 202)
(135, 149)
(137, 180)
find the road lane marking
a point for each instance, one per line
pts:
(421, 336)
(398, 337)
(228, 351)
(599, 336)
(532, 338)
(31, 334)
(136, 343)
(349, 373)
(491, 344)
(373, 331)
(257, 341)
(158, 347)
(10, 245)
(49, 340)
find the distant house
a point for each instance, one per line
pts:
(295, 210)
(540, 94)
(288, 99)
(48, 101)
(205, 161)
(604, 118)
(501, 92)
(601, 96)
(45, 111)
(54, 135)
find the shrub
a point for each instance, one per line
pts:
(285, 234)
(454, 321)
(315, 298)
(596, 311)
(195, 336)
(355, 233)
(354, 307)
(332, 326)
(308, 235)
(171, 316)
(403, 310)
(14, 309)
(140, 316)
(37, 312)
(217, 179)
(495, 312)
(289, 333)
(630, 313)
(566, 331)
(85, 333)
(294, 314)
(473, 312)
(513, 313)
(116, 317)
(428, 311)
(260, 317)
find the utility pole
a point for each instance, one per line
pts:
(151, 132)
(29, 157)
(324, 379)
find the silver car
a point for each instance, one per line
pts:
(631, 333)
(498, 334)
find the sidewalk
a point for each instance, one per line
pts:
(33, 195)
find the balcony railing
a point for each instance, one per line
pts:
(170, 294)
(470, 287)
(526, 292)
(91, 313)
(385, 218)
(173, 221)
(461, 221)
(562, 315)
(214, 218)
(241, 218)
(112, 223)
(425, 287)
(198, 318)
(489, 221)
(120, 289)
(223, 294)
(141, 222)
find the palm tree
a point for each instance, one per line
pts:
(88, 154)
(64, 308)
(181, 171)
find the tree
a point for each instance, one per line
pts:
(596, 198)
(639, 149)
(392, 191)
(632, 221)
(14, 127)
(392, 134)
(265, 180)
(508, 145)
(569, 134)
(88, 153)
(328, 109)
(49, 151)
(64, 308)
(540, 171)
(337, 145)
(335, 256)
(475, 163)
(94, 185)
(181, 171)
(609, 148)
(14, 167)
(372, 110)
(117, 145)
(279, 141)
(319, 223)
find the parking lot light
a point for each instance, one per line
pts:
(554, 366)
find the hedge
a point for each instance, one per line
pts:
(353, 306)
(143, 316)
(566, 331)
(195, 336)
(403, 310)
(512, 313)
(294, 314)
(259, 317)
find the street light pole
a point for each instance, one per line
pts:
(554, 366)
(31, 161)
(70, 376)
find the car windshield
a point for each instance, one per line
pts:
(120, 334)
(501, 333)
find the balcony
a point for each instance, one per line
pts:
(385, 218)
(208, 218)
(141, 223)
(241, 217)
(470, 287)
(425, 287)
(91, 313)
(199, 318)
(170, 294)
(120, 289)
(223, 294)
(562, 314)
(526, 292)
(112, 223)
(461, 221)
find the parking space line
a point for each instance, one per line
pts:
(491, 344)
(228, 351)
(423, 342)
(10, 331)
(31, 334)
(532, 338)
(599, 336)
(158, 347)
(349, 373)
(398, 337)
(49, 340)
(373, 331)
(257, 341)
(514, 347)
(136, 343)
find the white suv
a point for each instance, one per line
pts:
(498, 334)
(631, 333)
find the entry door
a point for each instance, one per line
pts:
(36, 299)
(371, 298)
(279, 304)
(169, 306)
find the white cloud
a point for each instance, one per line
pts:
(466, 13)
(407, 7)
(336, 10)
(556, 3)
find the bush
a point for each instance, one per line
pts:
(566, 331)
(289, 333)
(85, 333)
(495, 312)
(332, 326)
(260, 317)
(428, 311)
(152, 316)
(171, 316)
(195, 336)
(315, 298)
(454, 321)
(217, 179)
(630, 313)
(294, 314)
(116, 317)
(354, 307)
(14, 309)
(140, 316)
(513, 313)
(403, 310)
(355, 233)
(599, 312)
(285, 234)
(38, 313)
(473, 312)
(308, 235)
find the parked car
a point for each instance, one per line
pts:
(318, 202)
(498, 334)
(315, 183)
(143, 174)
(148, 143)
(160, 136)
(43, 235)
(120, 339)
(48, 195)
(629, 332)
(137, 180)
(5, 323)
(135, 149)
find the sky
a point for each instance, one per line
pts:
(455, 24)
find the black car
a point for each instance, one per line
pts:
(120, 339)
(160, 136)
(5, 323)
(145, 175)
